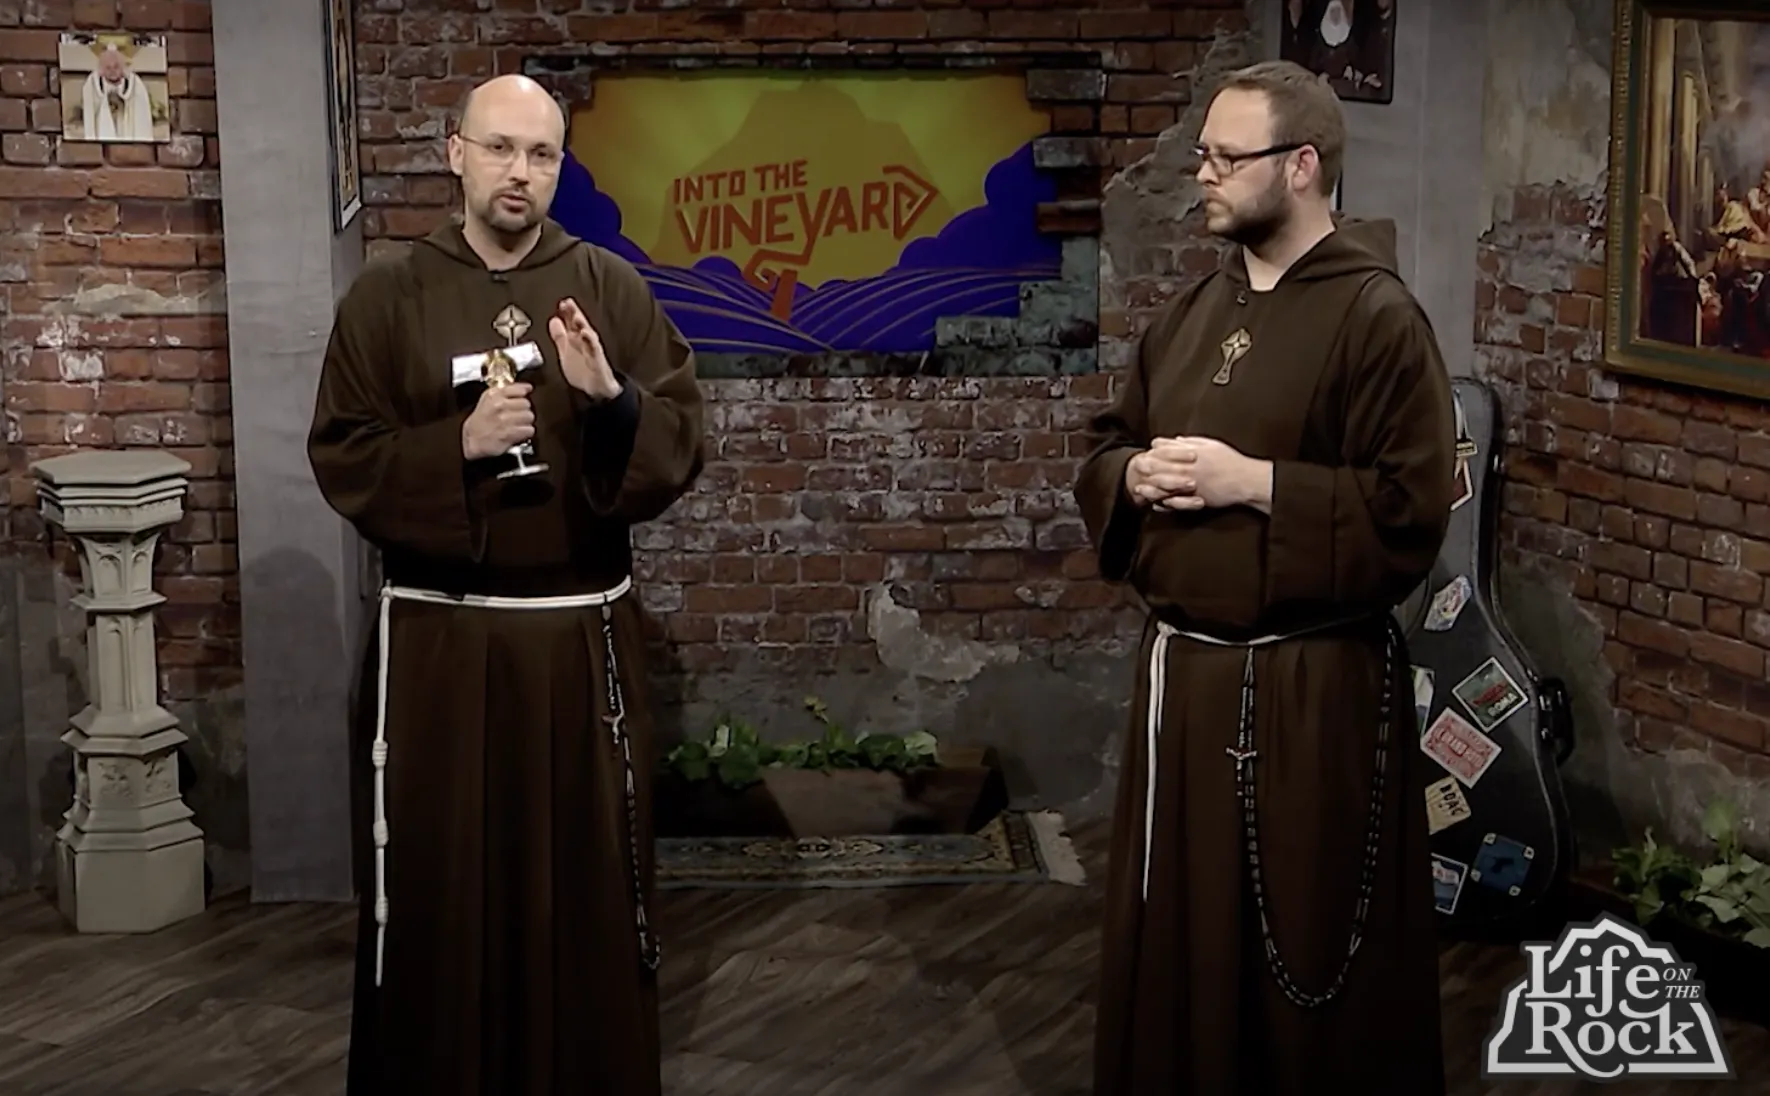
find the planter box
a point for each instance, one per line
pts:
(1733, 972)
(961, 795)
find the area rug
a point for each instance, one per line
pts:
(1016, 847)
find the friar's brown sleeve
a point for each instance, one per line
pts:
(1365, 533)
(404, 486)
(1114, 520)
(644, 449)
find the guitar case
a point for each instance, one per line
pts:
(1494, 729)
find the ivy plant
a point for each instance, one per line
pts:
(734, 755)
(1728, 895)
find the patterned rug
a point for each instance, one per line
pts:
(1016, 847)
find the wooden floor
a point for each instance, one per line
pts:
(979, 991)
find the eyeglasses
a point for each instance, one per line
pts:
(1226, 163)
(503, 152)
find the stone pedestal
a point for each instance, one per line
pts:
(128, 858)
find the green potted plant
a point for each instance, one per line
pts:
(1714, 910)
(732, 783)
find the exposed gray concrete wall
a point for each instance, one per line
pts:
(299, 564)
(1418, 159)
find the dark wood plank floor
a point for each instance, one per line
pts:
(977, 991)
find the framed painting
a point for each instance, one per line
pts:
(346, 157)
(1688, 251)
(1348, 43)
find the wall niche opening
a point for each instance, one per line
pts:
(846, 216)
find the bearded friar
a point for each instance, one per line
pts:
(1275, 476)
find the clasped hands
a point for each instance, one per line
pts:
(1195, 473)
(504, 417)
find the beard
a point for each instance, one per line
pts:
(1255, 222)
(500, 218)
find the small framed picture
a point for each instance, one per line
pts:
(1349, 44)
(346, 146)
(113, 88)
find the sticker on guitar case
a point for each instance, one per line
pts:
(1502, 864)
(1465, 486)
(1423, 690)
(1465, 752)
(1445, 805)
(1447, 882)
(1490, 694)
(1447, 605)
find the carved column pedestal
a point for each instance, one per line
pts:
(128, 858)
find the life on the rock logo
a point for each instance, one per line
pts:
(1605, 1002)
(797, 213)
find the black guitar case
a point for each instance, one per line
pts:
(1494, 730)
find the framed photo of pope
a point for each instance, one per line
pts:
(113, 88)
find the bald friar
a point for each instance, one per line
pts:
(497, 408)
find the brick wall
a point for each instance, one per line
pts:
(1651, 503)
(955, 490)
(113, 330)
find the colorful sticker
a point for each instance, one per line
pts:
(1502, 864)
(1447, 604)
(1423, 692)
(1465, 752)
(1447, 882)
(1445, 804)
(1465, 486)
(1490, 694)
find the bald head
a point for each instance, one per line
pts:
(507, 153)
(509, 100)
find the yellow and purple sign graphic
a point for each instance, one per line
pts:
(799, 213)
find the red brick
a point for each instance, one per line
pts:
(1152, 119)
(29, 44)
(956, 24)
(1729, 725)
(24, 80)
(25, 148)
(1726, 582)
(625, 27)
(881, 25)
(163, 251)
(1032, 25)
(789, 25)
(1126, 24)
(161, 183)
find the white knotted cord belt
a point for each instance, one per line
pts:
(384, 629)
(1243, 753)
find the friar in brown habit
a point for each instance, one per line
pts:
(497, 407)
(1273, 478)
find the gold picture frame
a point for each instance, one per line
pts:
(341, 111)
(1687, 264)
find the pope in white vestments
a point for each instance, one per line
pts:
(114, 103)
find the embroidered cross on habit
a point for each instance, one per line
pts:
(512, 323)
(1234, 348)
